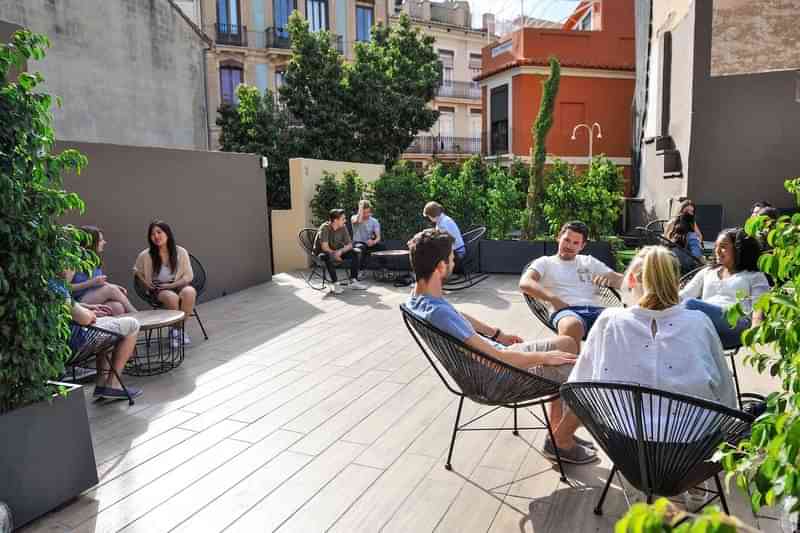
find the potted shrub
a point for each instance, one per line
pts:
(46, 455)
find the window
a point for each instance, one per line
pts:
(280, 79)
(475, 123)
(230, 77)
(446, 58)
(585, 23)
(363, 22)
(228, 16)
(475, 71)
(447, 121)
(499, 117)
(317, 14)
(282, 10)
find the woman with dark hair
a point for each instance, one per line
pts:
(688, 208)
(714, 289)
(165, 270)
(682, 235)
(94, 289)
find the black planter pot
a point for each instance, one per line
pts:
(508, 257)
(46, 455)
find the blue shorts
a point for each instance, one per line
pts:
(587, 314)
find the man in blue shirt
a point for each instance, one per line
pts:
(432, 259)
(435, 213)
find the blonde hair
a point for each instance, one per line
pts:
(364, 204)
(657, 271)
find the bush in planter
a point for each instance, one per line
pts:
(504, 201)
(398, 197)
(34, 247)
(461, 191)
(594, 197)
(337, 194)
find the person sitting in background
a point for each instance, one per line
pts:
(334, 246)
(366, 232)
(95, 288)
(714, 289)
(107, 385)
(689, 248)
(165, 269)
(687, 207)
(656, 342)
(566, 282)
(758, 206)
(433, 260)
(435, 213)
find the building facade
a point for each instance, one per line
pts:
(716, 109)
(597, 84)
(129, 72)
(457, 132)
(251, 40)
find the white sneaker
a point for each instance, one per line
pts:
(336, 288)
(186, 340)
(357, 285)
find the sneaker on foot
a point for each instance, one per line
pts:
(585, 442)
(362, 275)
(357, 285)
(110, 393)
(694, 498)
(577, 455)
(186, 340)
(336, 288)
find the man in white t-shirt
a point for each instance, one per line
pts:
(566, 282)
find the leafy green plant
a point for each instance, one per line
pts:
(663, 517)
(503, 199)
(398, 197)
(461, 191)
(326, 197)
(34, 247)
(586, 197)
(351, 190)
(544, 121)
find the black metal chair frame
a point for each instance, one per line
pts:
(648, 462)
(98, 342)
(470, 274)
(484, 380)
(198, 282)
(306, 238)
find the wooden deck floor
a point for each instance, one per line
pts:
(308, 412)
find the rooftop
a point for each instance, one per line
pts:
(308, 412)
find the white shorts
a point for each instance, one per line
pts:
(122, 326)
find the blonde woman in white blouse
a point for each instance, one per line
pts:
(714, 290)
(656, 342)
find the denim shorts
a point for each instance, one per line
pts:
(587, 314)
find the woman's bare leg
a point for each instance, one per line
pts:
(169, 299)
(188, 296)
(107, 294)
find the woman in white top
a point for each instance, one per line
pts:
(166, 270)
(714, 290)
(656, 342)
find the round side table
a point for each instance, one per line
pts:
(156, 353)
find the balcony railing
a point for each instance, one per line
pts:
(278, 38)
(429, 144)
(231, 34)
(459, 89)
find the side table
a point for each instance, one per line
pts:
(155, 351)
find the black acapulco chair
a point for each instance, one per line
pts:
(307, 238)
(468, 273)
(95, 342)
(198, 282)
(660, 441)
(483, 379)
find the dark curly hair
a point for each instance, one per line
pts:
(746, 249)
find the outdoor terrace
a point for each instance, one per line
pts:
(309, 412)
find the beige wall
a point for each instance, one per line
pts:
(215, 202)
(304, 175)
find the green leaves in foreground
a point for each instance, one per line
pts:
(664, 517)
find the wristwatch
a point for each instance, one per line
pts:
(496, 334)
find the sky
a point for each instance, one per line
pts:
(555, 10)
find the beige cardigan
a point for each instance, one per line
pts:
(183, 274)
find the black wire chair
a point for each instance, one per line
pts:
(660, 441)
(307, 238)
(95, 342)
(608, 297)
(483, 379)
(686, 278)
(468, 272)
(198, 282)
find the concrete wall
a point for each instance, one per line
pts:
(129, 71)
(215, 203)
(744, 132)
(304, 175)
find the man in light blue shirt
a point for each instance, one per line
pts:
(432, 259)
(435, 213)
(366, 233)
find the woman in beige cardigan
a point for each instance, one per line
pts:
(165, 270)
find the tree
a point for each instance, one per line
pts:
(257, 126)
(34, 247)
(544, 121)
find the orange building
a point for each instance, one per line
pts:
(596, 50)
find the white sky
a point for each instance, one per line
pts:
(555, 10)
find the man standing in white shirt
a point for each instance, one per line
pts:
(566, 282)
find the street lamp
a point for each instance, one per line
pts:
(590, 130)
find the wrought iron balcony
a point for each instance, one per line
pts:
(278, 38)
(429, 144)
(459, 89)
(231, 34)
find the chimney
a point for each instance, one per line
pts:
(488, 23)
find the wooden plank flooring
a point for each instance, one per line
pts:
(310, 412)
